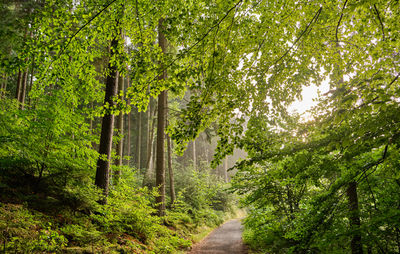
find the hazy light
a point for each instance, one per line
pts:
(310, 96)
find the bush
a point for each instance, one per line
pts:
(24, 232)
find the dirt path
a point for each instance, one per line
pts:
(227, 239)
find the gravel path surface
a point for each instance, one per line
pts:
(227, 239)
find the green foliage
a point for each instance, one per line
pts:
(81, 234)
(22, 231)
(297, 190)
(202, 193)
(127, 223)
(244, 62)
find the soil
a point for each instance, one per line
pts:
(227, 239)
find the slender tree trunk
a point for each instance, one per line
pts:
(170, 171)
(154, 149)
(21, 75)
(23, 89)
(107, 126)
(31, 79)
(128, 127)
(355, 222)
(19, 84)
(162, 102)
(139, 141)
(149, 121)
(150, 153)
(226, 169)
(119, 130)
(150, 131)
(194, 155)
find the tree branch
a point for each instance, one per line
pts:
(84, 25)
(380, 21)
(375, 164)
(80, 29)
(394, 80)
(340, 20)
(197, 42)
(314, 19)
(138, 19)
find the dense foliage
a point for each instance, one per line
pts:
(67, 218)
(57, 58)
(330, 183)
(72, 70)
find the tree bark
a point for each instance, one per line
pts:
(160, 167)
(23, 89)
(162, 102)
(119, 130)
(226, 169)
(139, 141)
(107, 126)
(150, 153)
(149, 121)
(170, 171)
(194, 155)
(19, 84)
(354, 218)
(129, 128)
(31, 79)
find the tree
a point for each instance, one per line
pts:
(171, 171)
(139, 140)
(161, 121)
(119, 129)
(107, 124)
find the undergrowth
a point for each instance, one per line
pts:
(68, 220)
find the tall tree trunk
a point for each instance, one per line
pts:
(162, 102)
(128, 127)
(226, 169)
(150, 131)
(194, 155)
(355, 222)
(19, 84)
(23, 88)
(119, 130)
(107, 126)
(139, 141)
(154, 149)
(170, 171)
(150, 153)
(149, 121)
(31, 79)
(22, 75)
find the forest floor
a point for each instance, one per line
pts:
(227, 239)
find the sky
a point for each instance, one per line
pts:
(309, 94)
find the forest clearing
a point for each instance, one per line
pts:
(140, 126)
